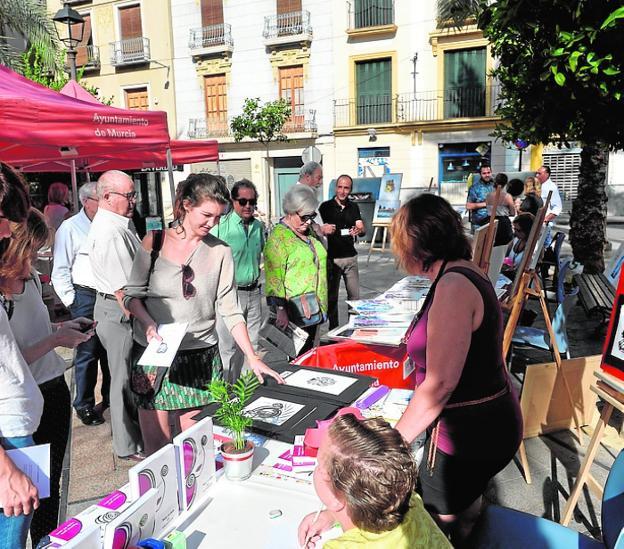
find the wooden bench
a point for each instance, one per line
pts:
(596, 295)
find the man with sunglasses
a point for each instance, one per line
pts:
(245, 236)
(112, 244)
(72, 280)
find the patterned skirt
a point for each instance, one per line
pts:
(182, 385)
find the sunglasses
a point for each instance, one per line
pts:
(244, 201)
(188, 275)
(307, 217)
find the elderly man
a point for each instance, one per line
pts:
(341, 252)
(245, 236)
(555, 206)
(73, 282)
(311, 175)
(112, 245)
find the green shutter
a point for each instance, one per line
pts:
(374, 91)
(372, 13)
(464, 83)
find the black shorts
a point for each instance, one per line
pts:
(455, 482)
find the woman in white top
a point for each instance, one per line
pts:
(20, 400)
(522, 228)
(37, 338)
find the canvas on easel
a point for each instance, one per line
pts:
(613, 353)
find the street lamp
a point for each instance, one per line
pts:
(75, 30)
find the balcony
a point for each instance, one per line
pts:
(131, 51)
(371, 17)
(421, 107)
(302, 121)
(211, 40)
(205, 128)
(88, 57)
(287, 28)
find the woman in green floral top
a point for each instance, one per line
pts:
(294, 258)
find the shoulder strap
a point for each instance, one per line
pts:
(157, 242)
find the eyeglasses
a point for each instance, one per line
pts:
(307, 217)
(128, 196)
(244, 201)
(93, 198)
(188, 275)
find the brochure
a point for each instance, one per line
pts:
(195, 463)
(162, 353)
(158, 471)
(34, 462)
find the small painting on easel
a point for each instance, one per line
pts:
(613, 355)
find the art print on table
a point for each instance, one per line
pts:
(322, 382)
(273, 411)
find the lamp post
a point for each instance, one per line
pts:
(75, 30)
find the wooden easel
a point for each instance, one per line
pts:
(613, 398)
(484, 242)
(384, 239)
(527, 284)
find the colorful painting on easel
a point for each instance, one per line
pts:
(613, 354)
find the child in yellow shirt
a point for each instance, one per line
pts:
(365, 478)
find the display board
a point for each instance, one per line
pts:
(388, 202)
(613, 352)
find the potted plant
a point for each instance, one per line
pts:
(232, 398)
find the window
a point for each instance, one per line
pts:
(288, 6)
(464, 83)
(372, 13)
(291, 89)
(130, 22)
(289, 20)
(211, 12)
(215, 93)
(373, 80)
(83, 53)
(137, 99)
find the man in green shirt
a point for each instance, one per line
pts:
(245, 236)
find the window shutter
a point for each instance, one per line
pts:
(464, 83)
(291, 89)
(374, 91)
(211, 12)
(137, 99)
(130, 22)
(82, 55)
(288, 6)
(215, 93)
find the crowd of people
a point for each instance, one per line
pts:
(204, 270)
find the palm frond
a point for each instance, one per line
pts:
(456, 12)
(29, 18)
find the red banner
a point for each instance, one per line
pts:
(613, 353)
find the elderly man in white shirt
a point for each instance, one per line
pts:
(73, 282)
(556, 205)
(112, 244)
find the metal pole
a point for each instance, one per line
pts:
(71, 59)
(170, 172)
(74, 184)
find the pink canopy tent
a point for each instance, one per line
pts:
(43, 130)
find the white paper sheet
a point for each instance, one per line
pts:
(270, 410)
(322, 382)
(34, 462)
(162, 353)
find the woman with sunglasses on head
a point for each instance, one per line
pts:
(184, 274)
(295, 262)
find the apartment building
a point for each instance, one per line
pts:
(126, 52)
(227, 51)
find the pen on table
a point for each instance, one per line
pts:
(309, 536)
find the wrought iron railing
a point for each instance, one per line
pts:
(130, 50)
(302, 120)
(212, 35)
(287, 24)
(468, 102)
(88, 56)
(203, 128)
(370, 13)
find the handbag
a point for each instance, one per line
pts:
(305, 309)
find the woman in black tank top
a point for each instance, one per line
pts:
(463, 398)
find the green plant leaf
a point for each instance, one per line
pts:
(573, 60)
(613, 16)
(560, 78)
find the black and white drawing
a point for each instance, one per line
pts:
(269, 410)
(617, 348)
(329, 383)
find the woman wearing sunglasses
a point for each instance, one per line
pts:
(295, 262)
(186, 275)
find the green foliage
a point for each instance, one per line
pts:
(261, 122)
(28, 18)
(560, 67)
(456, 12)
(233, 398)
(34, 68)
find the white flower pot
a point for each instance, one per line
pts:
(238, 464)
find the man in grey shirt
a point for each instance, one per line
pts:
(112, 244)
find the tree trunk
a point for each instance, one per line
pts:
(588, 222)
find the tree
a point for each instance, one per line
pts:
(263, 123)
(560, 68)
(28, 18)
